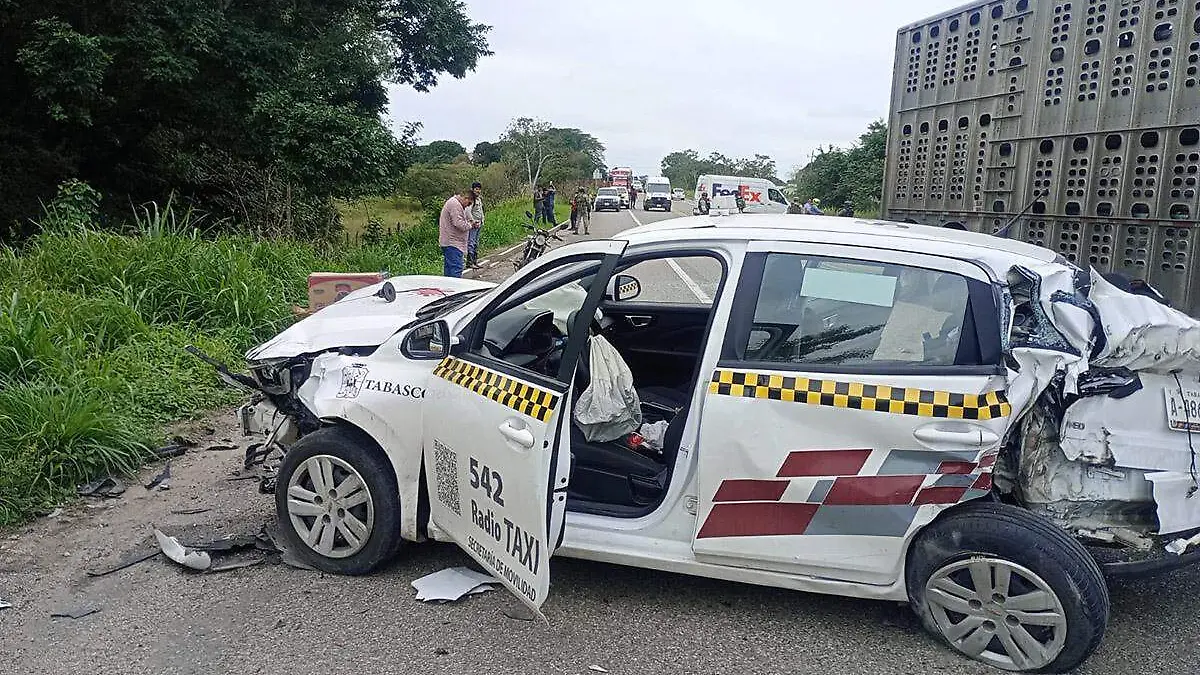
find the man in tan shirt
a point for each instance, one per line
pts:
(453, 226)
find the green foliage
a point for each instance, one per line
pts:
(685, 167)
(542, 153)
(438, 152)
(855, 175)
(487, 153)
(75, 206)
(433, 184)
(257, 112)
(93, 326)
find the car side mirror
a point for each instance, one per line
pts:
(624, 287)
(428, 342)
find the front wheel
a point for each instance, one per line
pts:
(1006, 587)
(337, 502)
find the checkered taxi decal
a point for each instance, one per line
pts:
(859, 396)
(525, 399)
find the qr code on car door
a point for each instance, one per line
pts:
(446, 471)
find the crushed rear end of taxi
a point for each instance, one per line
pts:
(1105, 386)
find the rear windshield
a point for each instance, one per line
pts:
(658, 187)
(611, 192)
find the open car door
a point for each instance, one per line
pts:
(497, 417)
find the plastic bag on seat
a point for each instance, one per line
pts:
(609, 408)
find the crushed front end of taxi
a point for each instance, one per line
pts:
(1106, 389)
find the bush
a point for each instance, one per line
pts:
(93, 327)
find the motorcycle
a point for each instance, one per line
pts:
(536, 243)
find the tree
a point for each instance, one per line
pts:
(684, 167)
(837, 176)
(438, 152)
(243, 109)
(529, 146)
(487, 153)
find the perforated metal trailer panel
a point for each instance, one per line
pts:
(1085, 111)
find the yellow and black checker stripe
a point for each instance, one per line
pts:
(525, 399)
(859, 396)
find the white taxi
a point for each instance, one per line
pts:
(862, 408)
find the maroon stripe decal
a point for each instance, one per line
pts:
(984, 482)
(762, 519)
(987, 461)
(874, 490)
(823, 463)
(751, 490)
(956, 468)
(939, 495)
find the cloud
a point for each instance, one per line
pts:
(778, 77)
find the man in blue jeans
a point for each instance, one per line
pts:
(453, 225)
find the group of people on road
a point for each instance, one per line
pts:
(543, 204)
(459, 225)
(812, 207)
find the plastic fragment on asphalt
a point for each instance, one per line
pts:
(197, 560)
(237, 565)
(74, 613)
(452, 584)
(597, 669)
(109, 486)
(1180, 545)
(189, 512)
(162, 481)
(5, 605)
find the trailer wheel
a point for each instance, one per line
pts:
(1008, 588)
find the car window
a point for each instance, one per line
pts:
(832, 312)
(682, 280)
(533, 333)
(776, 196)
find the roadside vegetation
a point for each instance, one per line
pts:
(93, 325)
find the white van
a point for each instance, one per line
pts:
(658, 194)
(762, 196)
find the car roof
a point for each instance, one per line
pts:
(993, 252)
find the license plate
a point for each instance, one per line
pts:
(1183, 409)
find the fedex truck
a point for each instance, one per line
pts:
(760, 195)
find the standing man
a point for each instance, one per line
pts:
(453, 225)
(477, 226)
(551, 220)
(538, 203)
(582, 207)
(632, 196)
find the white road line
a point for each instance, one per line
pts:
(683, 276)
(689, 282)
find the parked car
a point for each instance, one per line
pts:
(608, 198)
(657, 194)
(678, 193)
(963, 422)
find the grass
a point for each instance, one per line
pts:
(393, 213)
(93, 327)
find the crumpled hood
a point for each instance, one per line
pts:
(360, 319)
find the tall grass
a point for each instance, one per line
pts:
(93, 325)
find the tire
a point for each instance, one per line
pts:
(347, 451)
(1000, 538)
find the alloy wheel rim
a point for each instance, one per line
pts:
(330, 506)
(998, 612)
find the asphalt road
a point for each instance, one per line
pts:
(156, 618)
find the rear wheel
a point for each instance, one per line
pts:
(337, 502)
(1008, 588)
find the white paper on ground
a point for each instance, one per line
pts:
(452, 583)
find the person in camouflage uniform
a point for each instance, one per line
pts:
(582, 205)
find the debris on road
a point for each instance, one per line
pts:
(1180, 545)
(170, 451)
(597, 669)
(107, 487)
(55, 513)
(162, 481)
(519, 612)
(128, 561)
(197, 560)
(5, 605)
(452, 584)
(74, 613)
(189, 512)
(237, 565)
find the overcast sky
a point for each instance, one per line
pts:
(648, 77)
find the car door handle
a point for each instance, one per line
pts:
(522, 436)
(971, 436)
(639, 321)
